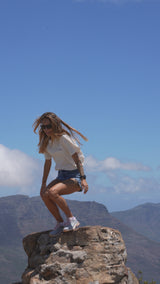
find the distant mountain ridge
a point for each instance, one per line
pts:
(145, 219)
(21, 215)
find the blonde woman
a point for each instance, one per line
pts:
(57, 140)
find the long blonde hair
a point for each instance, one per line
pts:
(59, 128)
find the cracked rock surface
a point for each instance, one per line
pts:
(88, 255)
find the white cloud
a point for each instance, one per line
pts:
(129, 184)
(119, 177)
(120, 182)
(112, 163)
(16, 168)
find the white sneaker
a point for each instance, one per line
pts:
(71, 224)
(57, 229)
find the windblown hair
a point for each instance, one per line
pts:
(59, 128)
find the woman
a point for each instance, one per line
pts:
(57, 140)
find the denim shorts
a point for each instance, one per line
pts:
(67, 174)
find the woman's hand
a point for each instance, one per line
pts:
(84, 185)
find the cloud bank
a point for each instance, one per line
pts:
(128, 184)
(120, 176)
(16, 168)
(20, 171)
(112, 163)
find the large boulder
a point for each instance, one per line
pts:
(92, 254)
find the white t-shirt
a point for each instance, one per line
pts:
(61, 150)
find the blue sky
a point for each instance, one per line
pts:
(96, 64)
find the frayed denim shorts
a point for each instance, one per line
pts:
(67, 174)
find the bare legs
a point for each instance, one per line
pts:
(53, 199)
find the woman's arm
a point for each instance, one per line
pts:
(78, 163)
(81, 171)
(46, 170)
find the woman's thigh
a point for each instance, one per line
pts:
(63, 187)
(52, 183)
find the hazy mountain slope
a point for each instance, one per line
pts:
(144, 219)
(21, 215)
(12, 263)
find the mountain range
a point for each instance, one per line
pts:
(21, 215)
(145, 219)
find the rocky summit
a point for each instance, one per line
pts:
(87, 255)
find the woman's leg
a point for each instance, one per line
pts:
(62, 188)
(50, 204)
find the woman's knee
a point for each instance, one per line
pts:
(53, 194)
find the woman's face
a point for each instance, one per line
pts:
(47, 127)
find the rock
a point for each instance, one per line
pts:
(88, 255)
